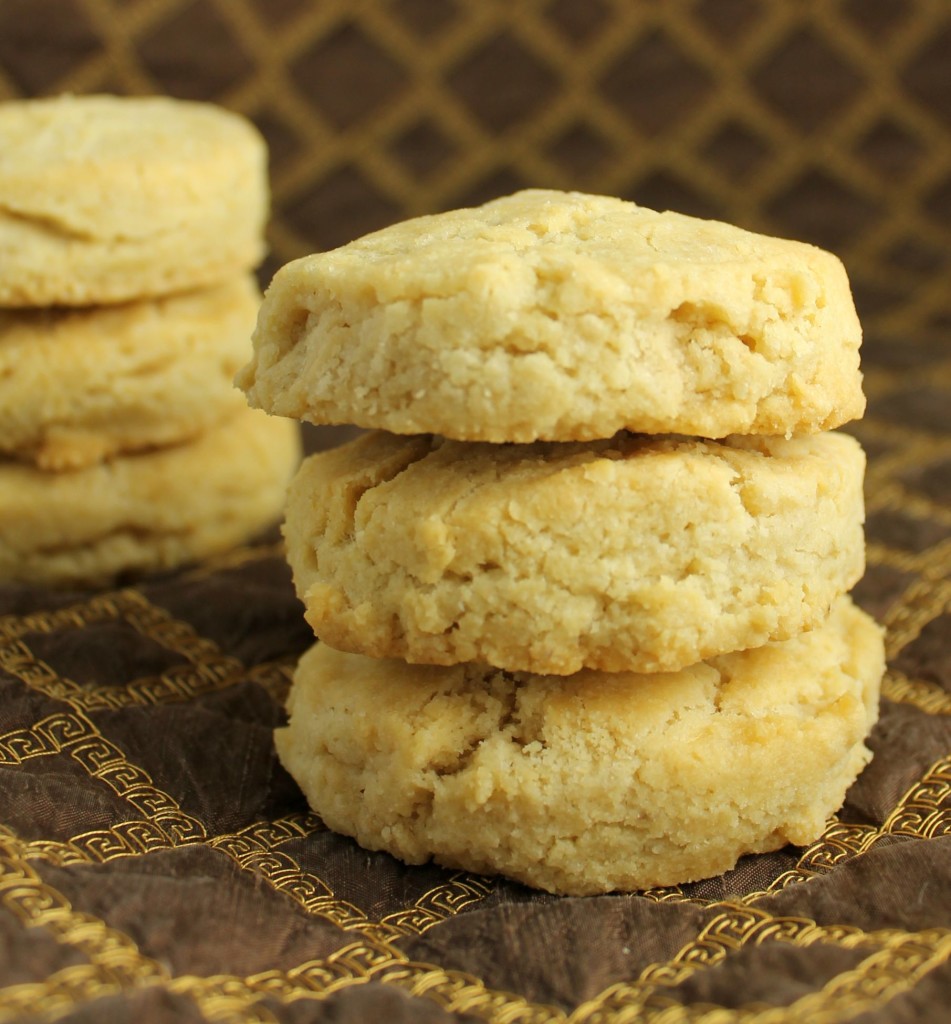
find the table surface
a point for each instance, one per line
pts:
(157, 863)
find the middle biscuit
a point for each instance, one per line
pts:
(81, 385)
(635, 553)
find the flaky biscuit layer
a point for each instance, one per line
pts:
(107, 198)
(81, 385)
(149, 511)
(596, 781)
(561, 316)
(644, 553)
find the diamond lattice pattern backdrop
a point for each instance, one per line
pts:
(828, 120)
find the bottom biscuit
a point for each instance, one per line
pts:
(593, 782)
(146, 512)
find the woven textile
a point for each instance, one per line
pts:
(156, 863)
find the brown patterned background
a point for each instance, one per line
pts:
(828, 120)
(155, 861)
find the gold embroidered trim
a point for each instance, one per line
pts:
(922, 812)
(897, 961)
(927, 697)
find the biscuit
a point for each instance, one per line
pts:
(146, 512)
(561, 316)
(106, 198)
(591, 782)
(81, 385)
(643, 553)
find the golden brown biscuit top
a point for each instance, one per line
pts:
(89, 164)
(534, 238)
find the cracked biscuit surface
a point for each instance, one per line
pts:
(561, 316)
(81, 385)
(592, 782)
(644, 553)
(147, 511)
(107, 198)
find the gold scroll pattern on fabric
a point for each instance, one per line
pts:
(893, 959)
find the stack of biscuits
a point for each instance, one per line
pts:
(581, 594)
(129, 229)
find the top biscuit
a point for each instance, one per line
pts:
(561, 316)
(106, 198)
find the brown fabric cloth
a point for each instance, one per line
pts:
(157, 864)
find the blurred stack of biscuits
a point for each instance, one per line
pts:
(129, 230)
(582, 592)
